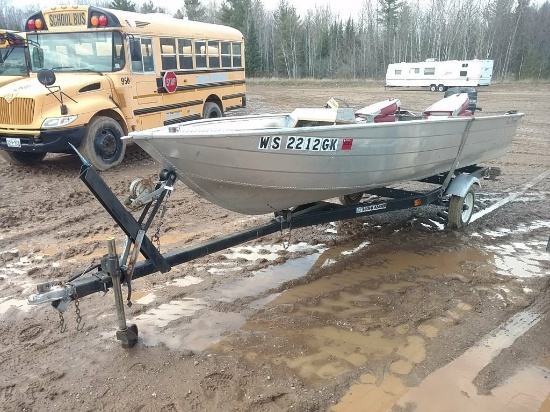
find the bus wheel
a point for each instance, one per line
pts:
(433, 87)
(22, 158)
(102, 145)
(440, 88)
(211, 110)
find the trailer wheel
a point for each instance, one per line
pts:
(211, 110)
(22, 158)
(440, 88)
(433, 87)
(461, 209)
(102, 145)
(350, 200)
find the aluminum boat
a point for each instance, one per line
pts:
(268, 163)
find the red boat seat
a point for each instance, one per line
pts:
(380, 112)
(451, 106)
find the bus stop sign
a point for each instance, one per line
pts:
(170, 81)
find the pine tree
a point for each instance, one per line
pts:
(125, 5)
(195, 10)
(252, 55)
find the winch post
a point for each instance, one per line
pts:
(128, 335)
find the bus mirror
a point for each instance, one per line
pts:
(46, 77)
(38, 57)
(135, 50)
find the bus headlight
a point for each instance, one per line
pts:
(58, 121)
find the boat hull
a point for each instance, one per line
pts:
(254, 165)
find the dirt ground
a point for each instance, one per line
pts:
(394, 312)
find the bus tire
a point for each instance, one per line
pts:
(211, 110)
(440, 88)
(433, 87)
(22, 158)
(102, 146)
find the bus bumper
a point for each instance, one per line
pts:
(52, 141)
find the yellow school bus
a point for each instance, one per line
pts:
(13, 57)
(105, 73)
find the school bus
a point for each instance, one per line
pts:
(13, 57)
(105, 73)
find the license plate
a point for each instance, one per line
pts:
(13, 142)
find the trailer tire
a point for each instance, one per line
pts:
(352, 199)
(102, 145)
(440, 88)
(211, 110)
(461, 209)
(22, 158)
(433, 87)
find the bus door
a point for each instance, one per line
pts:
(146, 98)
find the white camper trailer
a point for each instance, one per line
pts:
(439, 76)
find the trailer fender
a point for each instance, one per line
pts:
(460, 185)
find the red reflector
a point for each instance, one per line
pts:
(31, 25)
(102, 20)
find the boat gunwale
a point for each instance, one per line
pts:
(190, 133)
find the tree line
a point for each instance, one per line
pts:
(320, 44)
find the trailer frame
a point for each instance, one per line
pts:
(115, 270)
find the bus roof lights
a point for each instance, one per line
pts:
(39, 24)
(31, 24)
(99, 21)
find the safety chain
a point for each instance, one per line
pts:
(79, 323)
(156, 236)
(62, 325)
(287, 244)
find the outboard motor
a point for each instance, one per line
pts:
(472, 95)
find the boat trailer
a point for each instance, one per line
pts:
(456, 188)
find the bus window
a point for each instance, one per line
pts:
(168, 54)
(213, 54)
(147, 53)
(185, 54)
(226, 54)
(237, 60)
(200, 54)
(74, 51)
(147, 63)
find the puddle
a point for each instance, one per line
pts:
(268, 252)
(172, 319)
(524, 391)
(340, 322)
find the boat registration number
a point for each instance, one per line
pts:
(316, 144)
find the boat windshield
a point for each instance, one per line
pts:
(13, 61)
(97, 51)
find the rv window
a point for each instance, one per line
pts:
(429, 71)
(463, 73)
(398, 72)
(464, 64)
(414, 70)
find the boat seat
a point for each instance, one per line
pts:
(379, 112)
(451, 106)
(303, 117)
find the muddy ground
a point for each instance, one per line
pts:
(394, 312)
